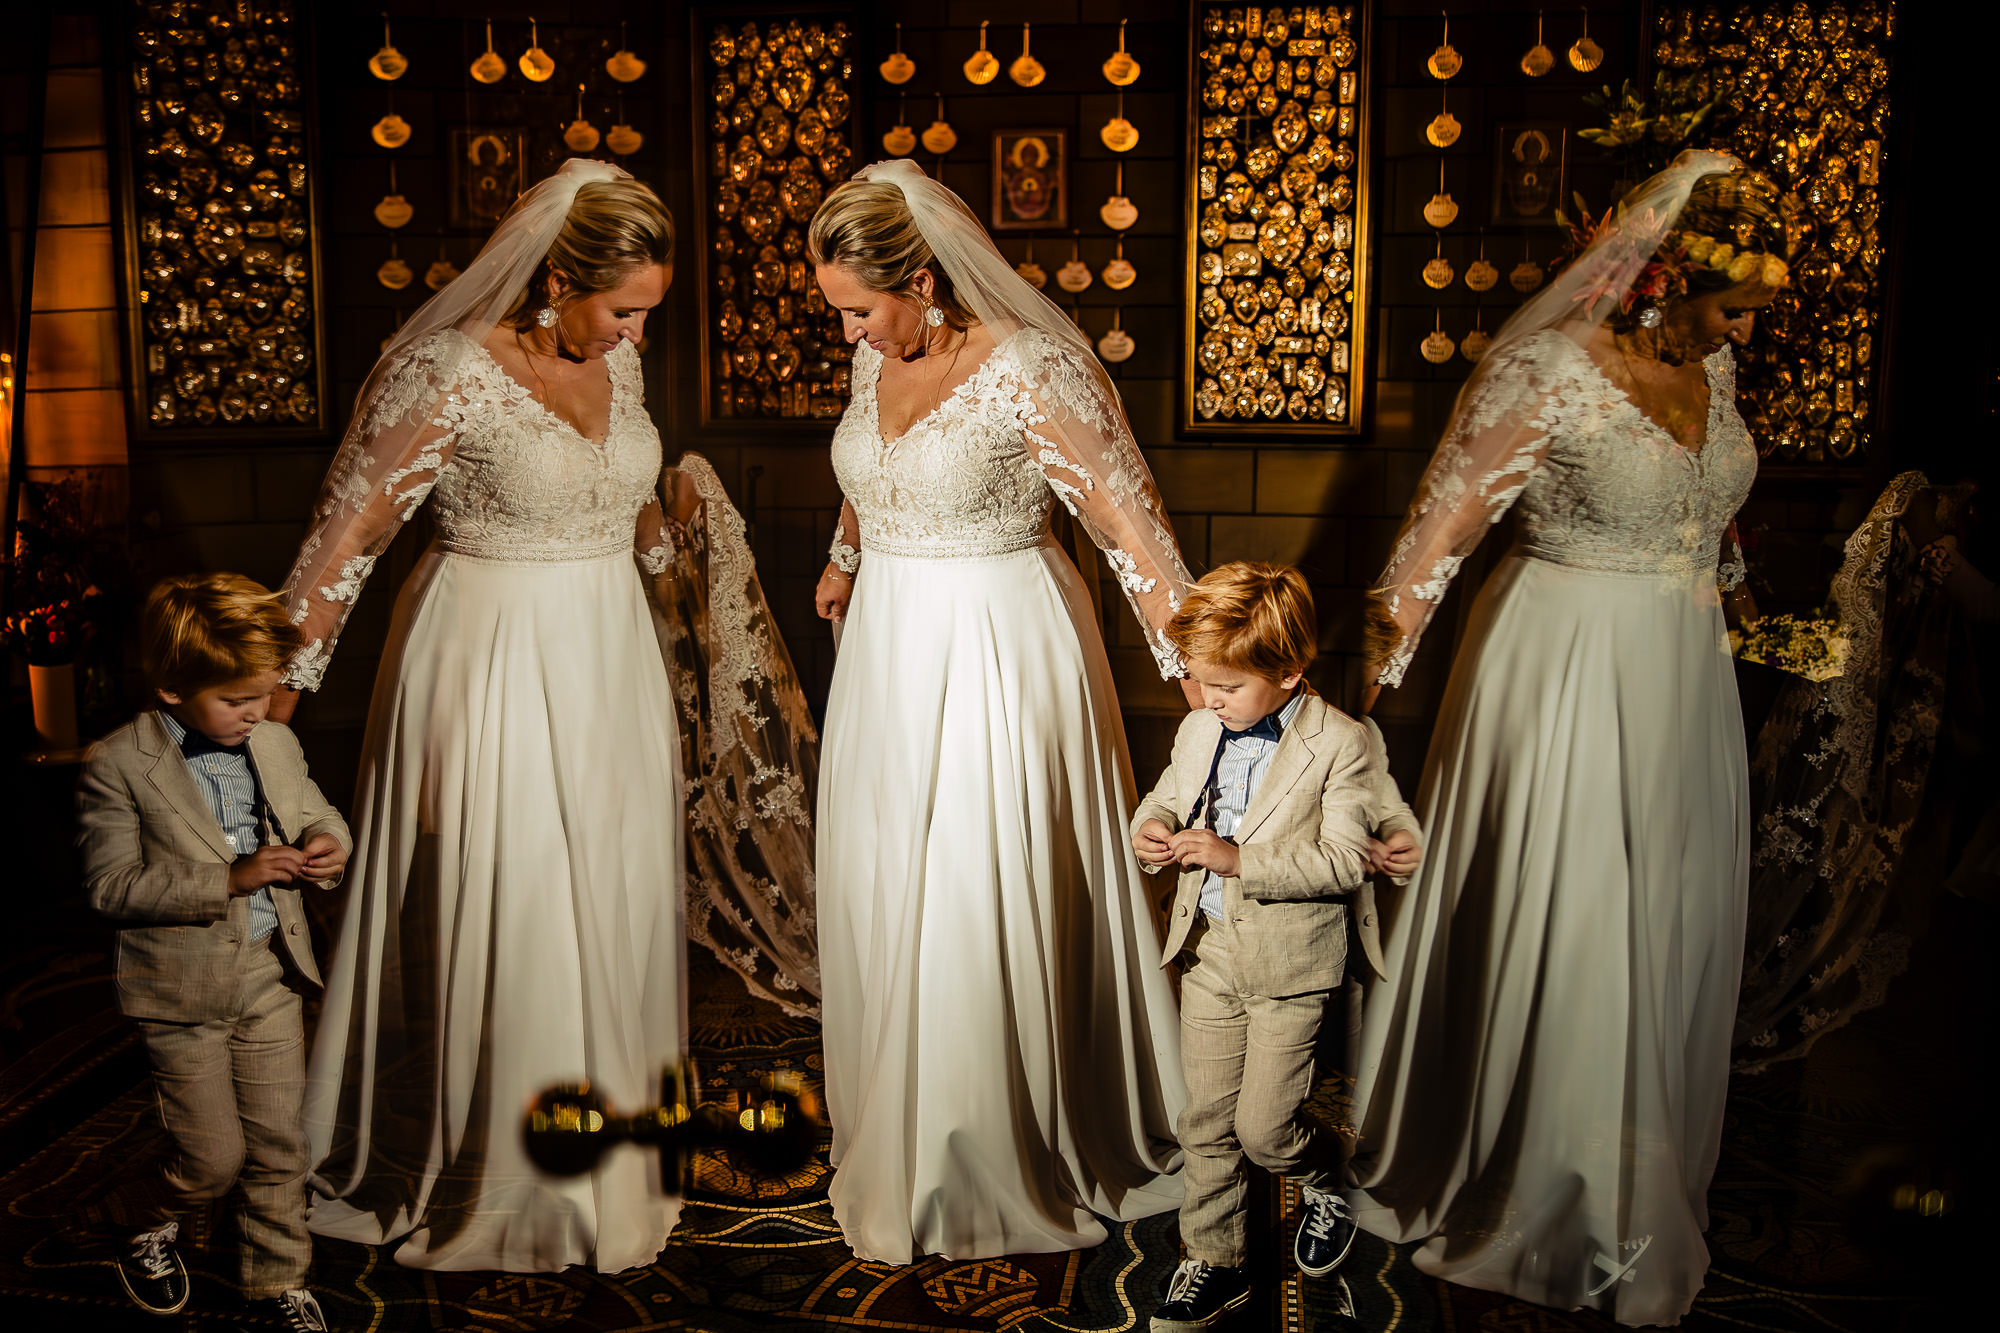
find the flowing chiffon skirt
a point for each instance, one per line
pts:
(513, 922)
(1542, 1078)
(1002, 1048)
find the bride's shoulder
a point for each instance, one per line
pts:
(1542, 349)
(1031, 347)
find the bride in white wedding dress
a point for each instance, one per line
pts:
(1002, 1061)
(514, 916)
(1542, 1075)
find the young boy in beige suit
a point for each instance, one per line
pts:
(199, 825)
(1267, 808)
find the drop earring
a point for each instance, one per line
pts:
(1651, 317)
(546, 316)
(933, 316)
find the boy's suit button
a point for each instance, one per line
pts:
(1367, 920)
(1184, 910)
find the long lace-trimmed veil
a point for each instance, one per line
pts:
(750, 752)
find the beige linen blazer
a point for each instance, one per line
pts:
(156, 862)
(1303, 843)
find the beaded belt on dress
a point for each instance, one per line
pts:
(1637, 566)
(933, 548)
(528, 553)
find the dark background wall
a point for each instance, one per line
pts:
(1330, 507)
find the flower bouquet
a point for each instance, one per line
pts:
(55, 598)
(1811, 647)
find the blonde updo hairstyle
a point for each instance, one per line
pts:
(614, 229)
(865, 228)
(1733, 208)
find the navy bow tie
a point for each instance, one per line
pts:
(194, 745)
(1269, 727)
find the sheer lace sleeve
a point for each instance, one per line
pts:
(845, 552)
(1498, 437)
(653, 541)
(386, 467)
(1085, 449)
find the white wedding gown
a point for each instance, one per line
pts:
(1542, 1077)
(1002, 1048)
(514, 902)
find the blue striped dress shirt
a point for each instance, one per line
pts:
(229, 785)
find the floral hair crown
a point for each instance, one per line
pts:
(1680, 256)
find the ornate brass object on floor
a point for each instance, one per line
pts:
(222, 272)
(1277, 220)
(568, 1129)
(775, 140)
(1802, 94)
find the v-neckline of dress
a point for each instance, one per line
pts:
(958, 391)
(611, 408)
(1708, 413)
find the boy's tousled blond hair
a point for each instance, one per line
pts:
(200, 630)
(1249, 616)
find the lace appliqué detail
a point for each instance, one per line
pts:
(657, 560)
(845, 558)
(308, 666)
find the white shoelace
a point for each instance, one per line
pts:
(1323, 1210)
(150, 1249)
(1187, 1280)
(304, 1311)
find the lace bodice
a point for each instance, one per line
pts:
(505, 478)
(1600, 485)
(980, 474)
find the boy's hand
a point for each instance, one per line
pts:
(1150, 844)
(325, 857)
(266, 865)
(1397, 855)
(1200, 847)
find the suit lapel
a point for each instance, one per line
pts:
(168, 773)
(278, 782)
(1190, 778)
(1294, 756)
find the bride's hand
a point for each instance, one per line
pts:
(1192, 689)
(284, 700)
(831, 596)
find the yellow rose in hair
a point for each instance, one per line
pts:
(1699, 246)
(1721, 256)
(1775, 272)
(1745, 267)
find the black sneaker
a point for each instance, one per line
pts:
(1201, 1296)
(152, 1271)
(295, 1312)
(1326, 1233)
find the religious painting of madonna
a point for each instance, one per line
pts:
(1530, 161)
(1030, 180)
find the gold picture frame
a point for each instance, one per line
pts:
(1030, 180)
(1278, 240)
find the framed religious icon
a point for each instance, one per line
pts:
(1277, 220)
(487, 173)
(1530, 166)
(1030, 180)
